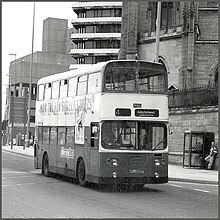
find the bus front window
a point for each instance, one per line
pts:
(135, 77)
(133, 135)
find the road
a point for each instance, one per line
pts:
(28, 194)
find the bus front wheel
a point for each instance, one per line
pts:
(81, 173)
(45, 168)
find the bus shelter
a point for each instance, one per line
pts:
(196, 147)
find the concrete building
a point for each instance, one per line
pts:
(98, 26)
(189, 50)
(54, 58)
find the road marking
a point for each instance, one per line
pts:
(6, 185)
(175, 185)
(201, 190)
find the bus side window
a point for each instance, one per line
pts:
(40, 92)
(82, 85)
(46, 135)
(94, 135)
(61, 135)
(39, 135)
(47, 94)
(94, 84)
(63, 88)
(72, 87)
(53, 135)
(70, 134)
(55, 90)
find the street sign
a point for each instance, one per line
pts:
(18, 111)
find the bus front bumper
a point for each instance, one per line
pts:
(132, 180)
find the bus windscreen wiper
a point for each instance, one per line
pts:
(155, 148)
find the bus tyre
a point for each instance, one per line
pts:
(45, 168)
(81, 173)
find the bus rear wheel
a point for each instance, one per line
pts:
(45, 168)
(81, 173)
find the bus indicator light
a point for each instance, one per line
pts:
(157, 175)
(123, 112)
(114, 174)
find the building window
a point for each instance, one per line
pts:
(90, 14)
(166, 15)
(106, 13)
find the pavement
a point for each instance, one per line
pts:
(175, 172)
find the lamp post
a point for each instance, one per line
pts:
(158, 31)
(27, 141)
(9, 100)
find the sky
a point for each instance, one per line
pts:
(17, 26)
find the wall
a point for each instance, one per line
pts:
(203, 119)
(54, 35)
(170, 51)
(206, 59)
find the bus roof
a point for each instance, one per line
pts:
(82, 71)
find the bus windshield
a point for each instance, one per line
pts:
(136, 77)
(134, 135)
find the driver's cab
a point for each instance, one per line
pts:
(133, 135)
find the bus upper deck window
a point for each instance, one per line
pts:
(82, 85)
(48, 87)
(40, 92)
(63, 88)
(72, 87)
(94, 84)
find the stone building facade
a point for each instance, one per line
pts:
(188, 39)
(189, 50)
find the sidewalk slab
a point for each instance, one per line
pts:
(27, 151)
(178, 173)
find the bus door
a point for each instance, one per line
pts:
(92, 141)
(69, 151)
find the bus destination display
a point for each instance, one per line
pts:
(123, 112)
(147, 112)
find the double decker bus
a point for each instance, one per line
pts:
(106, 123)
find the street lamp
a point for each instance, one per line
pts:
(9, 100)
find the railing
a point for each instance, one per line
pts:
(194, 97)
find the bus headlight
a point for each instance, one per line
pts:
(157, 162)
(112, 162)
(115, 162)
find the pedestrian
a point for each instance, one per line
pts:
(211, 157)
